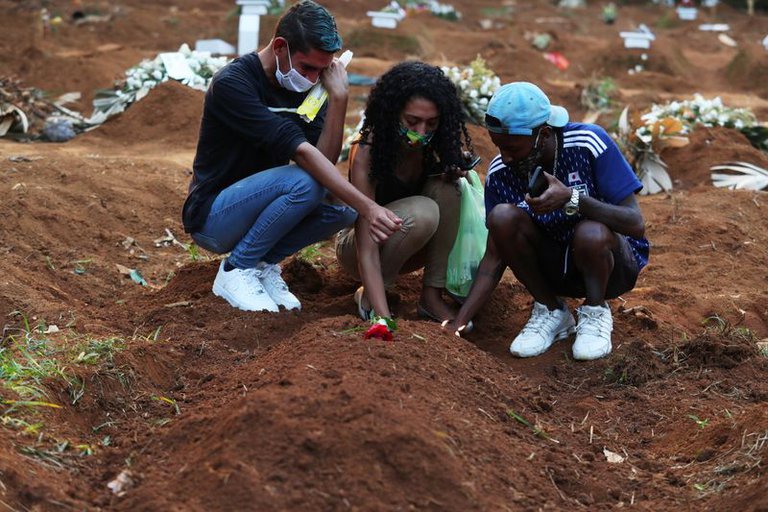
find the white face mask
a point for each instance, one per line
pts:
(292, 80)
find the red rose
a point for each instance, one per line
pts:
(378, 331)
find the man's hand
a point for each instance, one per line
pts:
(383, 223)
(553, 198)
(334, 79)
(460, 331)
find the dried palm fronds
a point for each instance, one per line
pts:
(743, 176)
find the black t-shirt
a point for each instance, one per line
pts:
(248, 125)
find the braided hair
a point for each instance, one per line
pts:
(403, 82)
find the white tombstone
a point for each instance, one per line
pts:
(687, 13)
(715, 27)
(640, 38)
(388, 18)
(248, 32)
(765, 43)
(383, 19)
(214, 47)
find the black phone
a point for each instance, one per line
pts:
(468, 165)
(537, 183)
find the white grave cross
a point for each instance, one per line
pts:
(640, 38)
(248, 32)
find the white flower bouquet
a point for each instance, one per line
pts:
(680, 117)
(642, 138)
(140, 79)
(476, 85)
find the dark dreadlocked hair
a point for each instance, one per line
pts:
(386, 102)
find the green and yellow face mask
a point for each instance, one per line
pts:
(414, 139)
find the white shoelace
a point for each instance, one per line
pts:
(254, 286)
(541, 317)
(594, 323)
(272, 275)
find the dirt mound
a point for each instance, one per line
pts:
(725, 349)
(747, 73)
(689, 166)
(169, 115)
(212, 408)
(359, 422)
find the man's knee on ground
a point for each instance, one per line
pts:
(506, 219)
(592, 238)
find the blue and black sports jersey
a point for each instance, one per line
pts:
(590, 161)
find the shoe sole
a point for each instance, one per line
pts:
(591, 357)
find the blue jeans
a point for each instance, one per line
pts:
(269, 216)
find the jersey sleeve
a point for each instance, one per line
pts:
(614, 178)
(491, 193)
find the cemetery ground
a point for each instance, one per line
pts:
(118, 396)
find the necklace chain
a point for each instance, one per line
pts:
(554, 165)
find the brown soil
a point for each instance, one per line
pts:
(210, 408)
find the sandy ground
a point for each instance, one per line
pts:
(209, 408)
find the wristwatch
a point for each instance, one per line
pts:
(572, 206)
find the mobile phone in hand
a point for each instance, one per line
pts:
(468, 165)
(537, 183)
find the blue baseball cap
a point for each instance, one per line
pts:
(519, 108)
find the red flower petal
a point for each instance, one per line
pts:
(378, 331)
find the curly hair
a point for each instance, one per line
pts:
(393, 89)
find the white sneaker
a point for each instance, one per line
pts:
(593, 333)
(269, 275)
(243, 290)
(542, 330)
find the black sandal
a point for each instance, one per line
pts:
(365, 314)
(425, 313)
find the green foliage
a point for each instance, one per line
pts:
(497, 12)
(721, 327)
(26, 362)
(616, 376)
(536, 430)
(276, 7)
(374, 43)
(668, 20)
(93, 351)
(596, 96)
(757, 135)
(193, 251)
(701, 423)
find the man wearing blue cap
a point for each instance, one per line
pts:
(583, 236)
